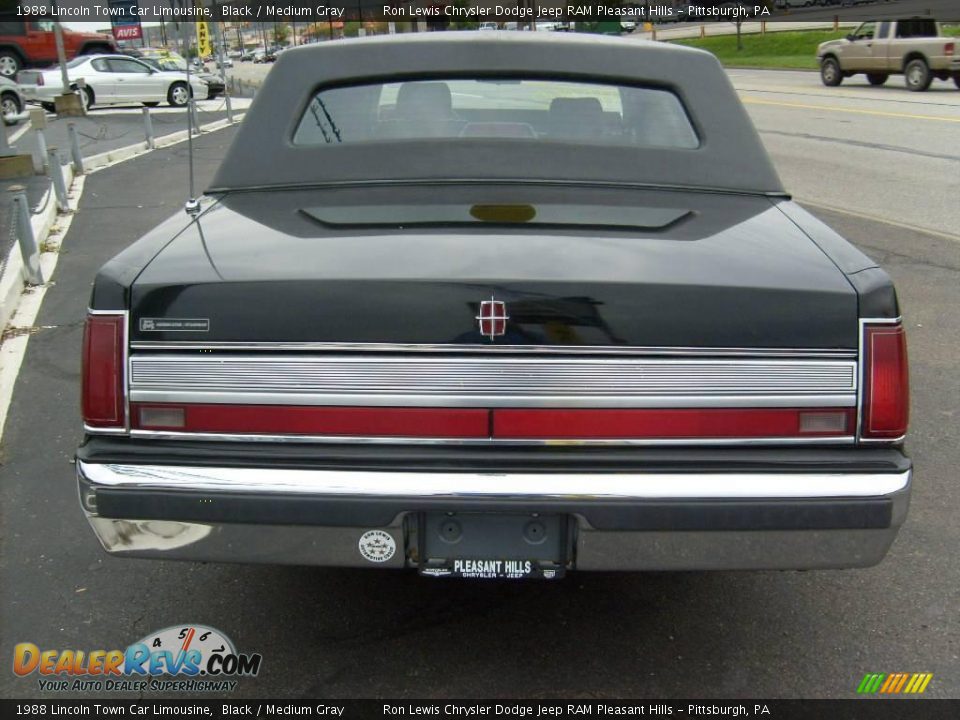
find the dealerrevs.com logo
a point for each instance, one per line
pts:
(185, 658)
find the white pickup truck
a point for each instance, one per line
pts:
(880, 48)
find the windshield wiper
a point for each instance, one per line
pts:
(317, 119)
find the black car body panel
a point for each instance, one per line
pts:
(687, 372)
(734, 273)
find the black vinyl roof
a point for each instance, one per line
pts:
(730, 157)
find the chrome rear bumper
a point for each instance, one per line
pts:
(621, 521)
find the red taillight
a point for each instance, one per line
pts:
(949, 49)
(886, 385)
(682, 424)
(306, 420)
(503, 423)
(103, 339)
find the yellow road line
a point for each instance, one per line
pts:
(828, 108)
(877, 219)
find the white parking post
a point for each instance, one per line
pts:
(192, 108)
(59, 185)
(75, 149)
(5, 149)
(42, 147)
(148, 128)
(38, 121)
(223, 70)
(29, 251)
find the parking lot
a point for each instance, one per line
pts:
(109, 128)
(879, 165)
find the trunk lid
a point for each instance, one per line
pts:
(644, 269)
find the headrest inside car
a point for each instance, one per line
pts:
(575, 117)
(424, 100)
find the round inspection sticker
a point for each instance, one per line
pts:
(377, 546)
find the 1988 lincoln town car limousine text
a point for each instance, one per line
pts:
(498, 306)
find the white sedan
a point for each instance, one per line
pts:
(111, 80)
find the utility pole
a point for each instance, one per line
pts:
(61, 56)
(68, 103)
(177, 38)
(218, 41)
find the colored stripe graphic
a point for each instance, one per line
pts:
(900, 682)
(871, 682)
(894, 683)
(922, 683)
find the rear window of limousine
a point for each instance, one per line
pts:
(523, 109)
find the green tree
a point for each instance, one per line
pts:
(281, 33)
(462, 24)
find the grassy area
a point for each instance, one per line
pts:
(777, 49)
(773, 49)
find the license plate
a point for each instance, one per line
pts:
(493, 546)
(493, 569)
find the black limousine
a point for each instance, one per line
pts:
(496, 305)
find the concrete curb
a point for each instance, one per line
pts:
(111, 157)
(11, 281)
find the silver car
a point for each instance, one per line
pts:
(111, 80)
(11, 102)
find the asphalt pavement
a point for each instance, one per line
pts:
(363, 633)
(886, 152)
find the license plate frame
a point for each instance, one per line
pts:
(493, 546)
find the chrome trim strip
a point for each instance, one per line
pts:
(553, 442)
(882, 441)
(860, 370)
(543, 182)
(90, 430)
(491, 382)
(492, 401)
(580, 486)
(498, 349)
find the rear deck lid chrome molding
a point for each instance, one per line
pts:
(492, 382)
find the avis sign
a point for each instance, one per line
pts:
(127, 32)
(125, 19)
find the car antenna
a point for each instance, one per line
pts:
(192, 206)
